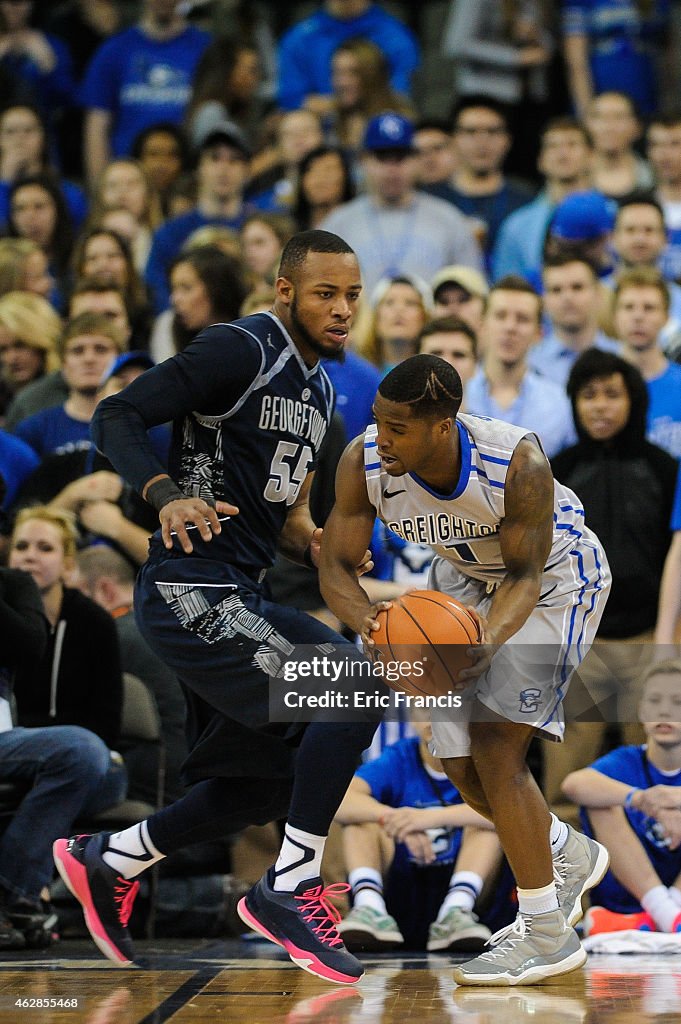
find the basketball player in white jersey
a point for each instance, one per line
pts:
(510, 542)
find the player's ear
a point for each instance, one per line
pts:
(285, 290)
(445, 426)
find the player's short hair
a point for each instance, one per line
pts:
(296, 249)
(430, 386)
(450, 325)
(642, 277)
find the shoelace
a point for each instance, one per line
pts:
(509, 935)
(317, 910)
(124, 895)
(560, 867)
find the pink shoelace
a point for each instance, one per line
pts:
(124, 895)
(317, 910)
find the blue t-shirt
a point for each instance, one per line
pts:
(17, 461)
(142, 81)
(54, 431)
(398, 778)
(630, 765)
(664, 410)
(306, 50)
(355, 382)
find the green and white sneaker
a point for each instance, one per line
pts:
(459, 929)
(535, 947)
(367, 929)
(579, 866)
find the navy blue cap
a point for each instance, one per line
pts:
(583, 216)
(135, 358)
(389, 131)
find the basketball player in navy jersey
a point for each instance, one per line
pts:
(511, 543)
(251, 405)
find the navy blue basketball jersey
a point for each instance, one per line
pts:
(249, 418)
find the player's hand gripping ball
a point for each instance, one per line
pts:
(430, 629)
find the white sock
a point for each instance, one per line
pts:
(662, 908)
(131, 851)
(464, 889)
(675, 894)
(300, 858)
(538, 901)
(367, 889)
(558, 834)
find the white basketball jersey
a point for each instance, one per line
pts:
(463, 526)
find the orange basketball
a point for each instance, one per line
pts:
(429, 627)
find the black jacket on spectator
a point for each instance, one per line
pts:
(78, 681)
(627, 488)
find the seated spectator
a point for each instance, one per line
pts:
(263, 236)
(455, 341)
(611, 460)
(324, 183)
(640, 312)
(38, 212)
(163, 154)
(88, 296)
(226, 87)
(436, 155)
(88, 346)
(206, 287)
(415, 875)
(108, 578)
(572, 304)
(631, 802)
(275, 170)
(360, 82)
(124, 183)
(24, 268)
(64, 770)
(393, 228)
(78, 680)
(29, 333)
(581, 225)
(614, 126)
(505, 387)
(102, 255)
(565, 162)
(139, 77)
(24, 150)
(462, 292)
(668, 627)
(222, 174)
(39, 65)
(400, 307)
(305, 51)
(478, 187)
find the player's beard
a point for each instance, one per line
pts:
(337, 355)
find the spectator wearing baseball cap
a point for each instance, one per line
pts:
(393, 228)
(222, 173)
(461, 292)
(582, 223)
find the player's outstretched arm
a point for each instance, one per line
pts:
(347, 534)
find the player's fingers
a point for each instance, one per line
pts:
(165, 533)
(226, 508)
(183, 538)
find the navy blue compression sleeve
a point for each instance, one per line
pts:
(209, 377)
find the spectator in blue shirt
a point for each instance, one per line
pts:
(138, 78)
(564, 160)
(306, 50)
(17, 462)
(39, 65)
(640, 313)
(631, 802)
(222, 175)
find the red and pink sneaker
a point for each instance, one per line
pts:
(105, 896)
(304, 923)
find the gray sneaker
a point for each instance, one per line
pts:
(579, 866)
(458, 929)
(535, 947)
(367, 929)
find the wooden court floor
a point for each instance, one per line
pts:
(211, 982)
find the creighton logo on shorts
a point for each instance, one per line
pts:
(529, 701)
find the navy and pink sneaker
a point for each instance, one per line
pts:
(304, 923)
(105, 896)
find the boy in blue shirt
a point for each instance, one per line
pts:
(414, 874)
(631, 802)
